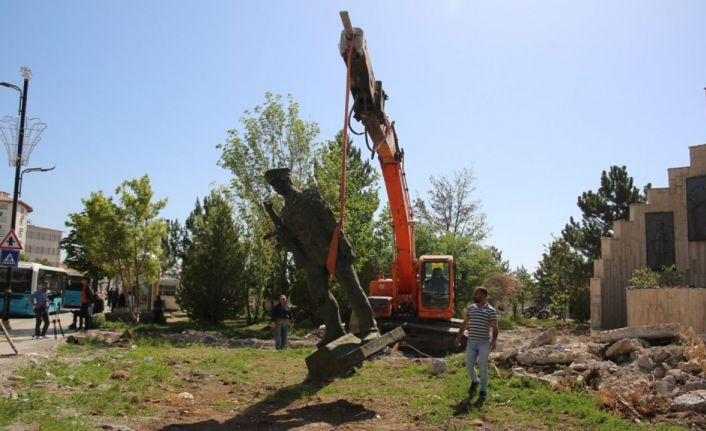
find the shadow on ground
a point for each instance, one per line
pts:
(272, 413)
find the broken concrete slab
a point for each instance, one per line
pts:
(652, 332)
(547, 337)
(645, 362)
(623, 347)
(694, 401)
(344, 353)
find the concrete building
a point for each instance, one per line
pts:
(43, 243)
(23, 211)
(669, 229)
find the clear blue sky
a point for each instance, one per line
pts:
(536, 97)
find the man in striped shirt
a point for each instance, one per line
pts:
(480, 318)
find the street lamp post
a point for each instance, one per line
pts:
(29, 170)
(26, 74)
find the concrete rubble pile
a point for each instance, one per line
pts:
(643, 372)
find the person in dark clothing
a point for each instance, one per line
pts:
(98, 304)
(40, 301)
(158, 310)
(281, 322)
(87, 294)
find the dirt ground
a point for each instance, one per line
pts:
(201, 405)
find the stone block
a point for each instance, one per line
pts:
(660, 331)
(623, 347)
(645, 362)
(665, 388)
(346, 352)
(694, 401)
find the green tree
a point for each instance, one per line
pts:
(271, 136)
(93, 242)
(214, 275)
(562, 281)
(599, 210)
(142, 231)
(582, 237)
(39, 260)
(173, 244)
(503, 289)
(450, 223)
(76, 255)
(450, 208)
(120, 238)
(529, 284)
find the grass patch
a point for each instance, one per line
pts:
(91, 381)
(546, 323)
(230, 328)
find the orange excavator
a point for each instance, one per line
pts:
(419, 295)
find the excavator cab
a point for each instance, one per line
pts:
(436, 286)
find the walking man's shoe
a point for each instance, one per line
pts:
(481, 399)
(473, 389)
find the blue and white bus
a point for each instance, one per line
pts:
(26, 279)
(73, 289)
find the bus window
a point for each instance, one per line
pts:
(21, 279)
(55, 279)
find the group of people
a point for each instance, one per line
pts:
(91, 303)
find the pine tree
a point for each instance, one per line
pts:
(214, 275)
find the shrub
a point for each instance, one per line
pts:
(646, 277)
(669, 277)
(643, 278)
(505, 324)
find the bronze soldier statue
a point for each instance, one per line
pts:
(304, 228)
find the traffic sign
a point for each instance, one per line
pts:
(11, 242)
(9, 258)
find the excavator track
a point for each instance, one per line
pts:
(430, 336)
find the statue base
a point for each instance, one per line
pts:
(344, 353)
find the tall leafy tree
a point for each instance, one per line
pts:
(95, 237)
(571, 257)
(142, 231)
(215, 276)
(77, 256)
(450, 207)
(528, 282)
(562, 280)
(120, 236)
(173, 248)
(450, 222)
(272, 135)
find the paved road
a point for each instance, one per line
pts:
(23, 329)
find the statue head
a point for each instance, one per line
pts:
(280, 180)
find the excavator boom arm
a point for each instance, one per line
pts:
(369, 108)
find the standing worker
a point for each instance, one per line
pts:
(281, 322)
(40, 301)
(84, 320)
(480, 318)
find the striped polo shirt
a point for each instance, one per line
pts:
(479, 321)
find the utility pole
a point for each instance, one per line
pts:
(26, 74)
